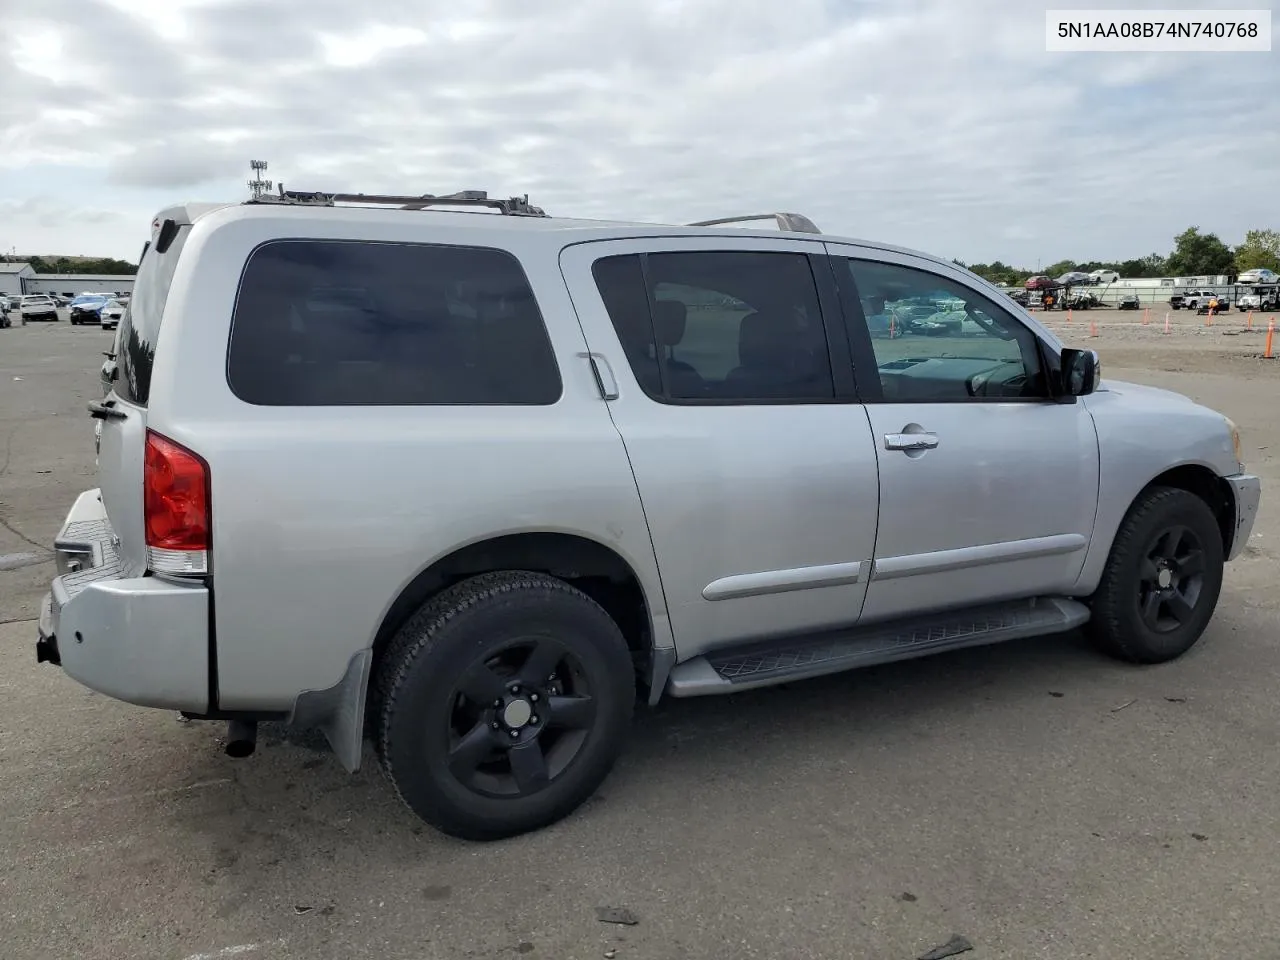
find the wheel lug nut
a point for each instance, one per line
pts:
(497, 703)
(514, 734)
(534, 718)
(533, 697)
(494, 724)
(515, 688)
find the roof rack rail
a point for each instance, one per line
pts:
(789, 222)
(513, 206)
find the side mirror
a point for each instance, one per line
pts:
(1081, 372)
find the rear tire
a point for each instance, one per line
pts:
(1162, 580)
(503, 704)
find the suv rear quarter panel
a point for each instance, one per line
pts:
(322, 515)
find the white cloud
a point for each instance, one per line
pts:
(368, 45)
(934, 123)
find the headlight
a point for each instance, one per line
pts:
(1235, 440)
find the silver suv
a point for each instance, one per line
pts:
(471, 483)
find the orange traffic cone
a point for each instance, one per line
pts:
(1271, 332)
(1093, 328)
(1166, 323)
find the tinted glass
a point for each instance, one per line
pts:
(938, 340)
(722, 325)
(621, 284)
(341, 323)
(140, 325)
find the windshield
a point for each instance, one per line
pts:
(80, 301)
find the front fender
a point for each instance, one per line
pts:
(1144, 432)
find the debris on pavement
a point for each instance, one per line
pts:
(1176, 699)
(1129, 703)
(617, 915)
(956, 945)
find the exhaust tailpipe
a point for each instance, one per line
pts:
(242, 738)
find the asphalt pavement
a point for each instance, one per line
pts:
(1035, 798)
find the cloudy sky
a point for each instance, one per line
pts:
(938, 124)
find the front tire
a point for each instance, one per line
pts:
(503, 704)
(1161, 583)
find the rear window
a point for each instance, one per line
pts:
(351, 323)
(140, 325)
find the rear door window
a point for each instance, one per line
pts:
(140, 325)
(352, 323)
(719, 326)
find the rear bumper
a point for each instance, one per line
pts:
(1246, 492)
(140, 639)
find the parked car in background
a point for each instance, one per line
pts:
(37, 307)
(1104, 276)
(111, 314)
(87, 308)
(1191, 299)
(1130, 301)
(5, 322)
(1074, 277)
(1258, 275)
(1266, 299)
(1042, 283)
(1215, 302)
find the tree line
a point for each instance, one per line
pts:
(1194, 254)
(103, 265)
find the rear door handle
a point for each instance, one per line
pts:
(606, 383)
(910, 441)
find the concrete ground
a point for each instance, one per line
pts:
(1035, 798)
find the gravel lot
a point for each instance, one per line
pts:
(1035, 798)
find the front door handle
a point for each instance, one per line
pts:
(910, 441)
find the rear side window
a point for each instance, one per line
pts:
(719, 326)
(140, 325)
(351, 323)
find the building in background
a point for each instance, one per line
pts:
(74, 284)
(14, 278)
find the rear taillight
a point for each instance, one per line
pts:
(175, 485)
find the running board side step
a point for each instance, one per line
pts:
(796, 658)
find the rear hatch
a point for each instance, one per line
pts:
(123, 412)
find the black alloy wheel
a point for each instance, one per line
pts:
(1171, 579)
(1161, 582)
(519, 718)
(502, 704)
